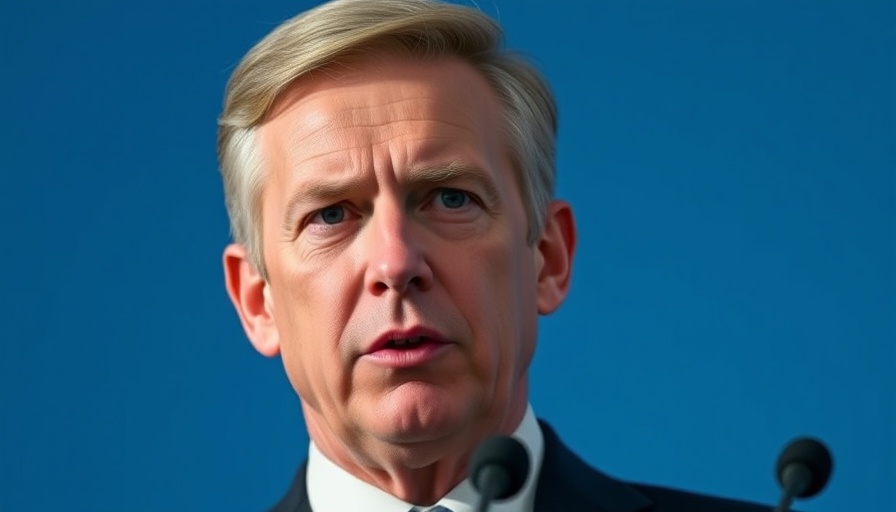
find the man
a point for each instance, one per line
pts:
(389, 174)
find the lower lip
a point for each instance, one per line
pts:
(408, 357)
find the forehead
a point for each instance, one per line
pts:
(388, 96)
(445, 76)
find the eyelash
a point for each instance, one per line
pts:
(318, 214)
(468, 197)
(432, 197)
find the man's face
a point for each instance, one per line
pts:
(402, 292)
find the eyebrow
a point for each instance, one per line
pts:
(321, 192)
(318, 192)
(454, 172)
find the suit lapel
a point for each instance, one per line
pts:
(568, 483)
(296, 499)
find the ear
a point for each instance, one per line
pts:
(250, 296)
(554, 254)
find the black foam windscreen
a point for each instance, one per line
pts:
(505, 453)
(812, 454)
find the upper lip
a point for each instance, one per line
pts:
(414, 332)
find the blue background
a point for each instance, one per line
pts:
(733, 169)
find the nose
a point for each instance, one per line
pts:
(396, 252)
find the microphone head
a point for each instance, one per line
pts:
(506, 453)
(812, 454)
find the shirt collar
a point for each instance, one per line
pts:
(331, 488)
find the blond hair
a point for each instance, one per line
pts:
(337, 29)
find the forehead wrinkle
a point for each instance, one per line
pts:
(314, 132)
(328, 132)
(378, 138)
(386, 138)
(402, 109)
(326, 124)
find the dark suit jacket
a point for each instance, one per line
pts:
(568, 484)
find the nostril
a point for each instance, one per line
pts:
(415, 283)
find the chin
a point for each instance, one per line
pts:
(419, 412)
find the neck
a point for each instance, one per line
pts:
(418, 472)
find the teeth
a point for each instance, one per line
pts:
(407, 341)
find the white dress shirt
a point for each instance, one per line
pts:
(333, 489)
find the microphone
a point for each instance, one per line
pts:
(803, 470)
(498, 469)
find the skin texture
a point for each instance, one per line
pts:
(391, 204)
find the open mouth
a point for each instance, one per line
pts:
(406, 343)
(406, 349)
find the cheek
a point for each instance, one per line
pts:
(310, 316)
(316, 297)
(499, 296)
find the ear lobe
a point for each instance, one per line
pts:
(555, 252)
(250, 297)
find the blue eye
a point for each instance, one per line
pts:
(332, 214)
(453, 198)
